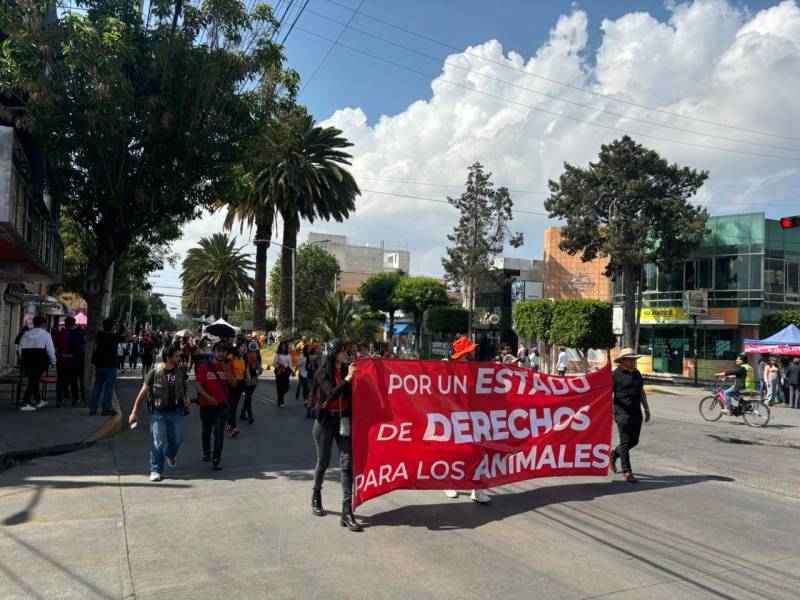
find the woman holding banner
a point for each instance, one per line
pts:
(629, 398)
(463, 351)
(332, 396)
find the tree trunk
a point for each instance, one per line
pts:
(263, 234)
(97, 287)
(391, 329)
(291, 224)
(470, 308)
(584, 352)
(418, 330)
(629, 282)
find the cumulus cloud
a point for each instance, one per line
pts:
(711, 60)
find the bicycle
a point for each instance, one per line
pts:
(754, 412)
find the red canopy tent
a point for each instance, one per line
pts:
(784, 343)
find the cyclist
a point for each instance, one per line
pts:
(743, 374)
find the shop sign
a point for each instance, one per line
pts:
(674, 315)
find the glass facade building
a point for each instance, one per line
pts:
(748, 264)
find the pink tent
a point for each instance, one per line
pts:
(81, 319)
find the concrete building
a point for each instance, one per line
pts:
(31, 251)
(566, 276)
(358, 263)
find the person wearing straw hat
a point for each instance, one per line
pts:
(629, 398)
(464, 351)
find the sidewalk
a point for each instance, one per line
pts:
(51, 429)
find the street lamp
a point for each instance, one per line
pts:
(294, 271)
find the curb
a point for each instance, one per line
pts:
(111, 427)
(661, 390)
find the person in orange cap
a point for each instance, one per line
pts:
(464, 351)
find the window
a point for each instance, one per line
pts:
(670, 281)
(755, 271)
(690, 275)
(705, 268)
(650, 278)
(792, 278)
(731, 273)
(774, 276)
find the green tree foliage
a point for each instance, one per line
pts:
(532, 320)
(317, 270)
(447, 319)
(415, 295)
(335, 316)
(378, 293)
(216, 275)
(141, 115)
(631, 207)
(270, 324)
(480, 235)
(303, 177)
(368, 326)
(772, 323)
(583, 325)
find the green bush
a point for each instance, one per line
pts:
(532, 320)
(582, 324)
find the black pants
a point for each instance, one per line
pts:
(247, 407)
(213, 417)
(282, 385)
(629, 425)
(68, 375)
(325, 432)
(233, 402)
(34, 374)
(305, 386)
(120, 362)
(133, 360)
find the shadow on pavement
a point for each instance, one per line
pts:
(470, 515)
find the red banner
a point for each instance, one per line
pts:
(433, 425)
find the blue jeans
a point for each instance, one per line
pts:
(166, 431)
(104, 380)
(730, 394)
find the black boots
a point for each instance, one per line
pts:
(349, 519)
(316, 504)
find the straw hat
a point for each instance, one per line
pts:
(462, 346)
(626, 353)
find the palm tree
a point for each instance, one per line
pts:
(303, 178)
(216, 275)
(335, 319)
(252, 210)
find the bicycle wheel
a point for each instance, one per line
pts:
(756, 414)
(710, 408)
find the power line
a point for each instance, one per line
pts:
(524, 212)
(332, 46)
(567, 85)
(283, 43)
(545, 94)
(549, 112)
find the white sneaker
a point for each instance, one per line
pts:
(451, 493)
(41, 404)
(481, 496)
(171, 461)
(155, 476)
(27, 408)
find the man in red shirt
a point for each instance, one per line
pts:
(211, 380)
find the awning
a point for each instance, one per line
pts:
(48, 305)
(401, 329)
(785, 342)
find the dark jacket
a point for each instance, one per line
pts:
(793, 374)
(327, 388)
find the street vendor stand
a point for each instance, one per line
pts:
(784, 343)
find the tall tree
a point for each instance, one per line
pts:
(480, 236)
(378, 293)
(415, 295)
(304, 178)
(631, 207)
(315, 277)
(141, 116)
(583, 325)
(216, 275)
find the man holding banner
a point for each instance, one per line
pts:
(629, 398)
(465, 425)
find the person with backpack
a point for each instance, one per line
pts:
(253, 370)
(212, 385)
(164, 388)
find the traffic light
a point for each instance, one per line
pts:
(790, 222)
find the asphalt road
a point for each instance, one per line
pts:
(715, 516)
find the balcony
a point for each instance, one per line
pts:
(30, 246)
